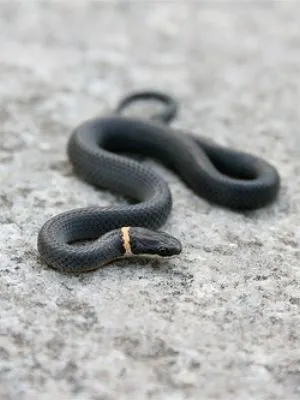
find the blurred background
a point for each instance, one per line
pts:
(221, 321)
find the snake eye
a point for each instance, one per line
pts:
(169, 249)
(145, 241)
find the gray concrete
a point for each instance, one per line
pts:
(222, 320)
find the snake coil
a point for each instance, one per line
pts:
(222, 176)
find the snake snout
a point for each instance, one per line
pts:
(145, 241)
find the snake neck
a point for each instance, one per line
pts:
(126, 241)
(136, 241)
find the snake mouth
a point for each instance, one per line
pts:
(147, 242)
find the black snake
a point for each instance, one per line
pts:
(223, 176)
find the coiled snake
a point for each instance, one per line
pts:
(220, 175)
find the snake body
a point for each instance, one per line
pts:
(223, 176)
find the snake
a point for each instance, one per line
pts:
(103, 153)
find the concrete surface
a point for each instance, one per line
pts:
(221, 321)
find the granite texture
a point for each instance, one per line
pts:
(222, 320)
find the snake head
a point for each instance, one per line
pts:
(147, 242)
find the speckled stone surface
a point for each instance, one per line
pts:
(222, 320)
